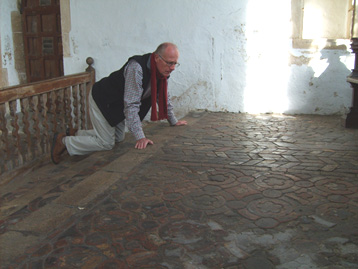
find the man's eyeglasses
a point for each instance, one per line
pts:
(170, 64)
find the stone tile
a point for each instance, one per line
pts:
(227, 191)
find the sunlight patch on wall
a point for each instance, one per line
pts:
(312, 22)
(330, 22)
(318, 66)
(268, 44)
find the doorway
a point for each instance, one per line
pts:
(41, 21)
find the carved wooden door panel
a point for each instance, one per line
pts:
(42, 39)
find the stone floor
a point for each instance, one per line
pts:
(226, 191)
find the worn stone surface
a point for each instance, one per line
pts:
(226, 191)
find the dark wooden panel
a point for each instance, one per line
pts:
(42, 38)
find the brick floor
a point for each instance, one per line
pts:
(226, 191)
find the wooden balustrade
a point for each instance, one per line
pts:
(31, 113)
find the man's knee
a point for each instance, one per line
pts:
(107, 145)
(119, 138)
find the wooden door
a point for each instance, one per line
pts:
(42, 39)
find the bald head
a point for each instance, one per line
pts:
(166, 58)
(162, 48)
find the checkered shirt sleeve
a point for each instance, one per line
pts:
(133, 92)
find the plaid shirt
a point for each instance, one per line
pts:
(133, 94)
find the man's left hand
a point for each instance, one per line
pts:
(181, 122)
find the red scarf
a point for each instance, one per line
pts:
(159, 85)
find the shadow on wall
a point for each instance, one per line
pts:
(322, 87)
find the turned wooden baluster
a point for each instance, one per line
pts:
(35, 122)
(55, 110)
(63, 102)
(15, 133)
(25, 119)
(45, 136)
(60, 103)
(4, 140)
(75, 105)
(52, 110)
(83, 105)
(68, 108)
(39, 110)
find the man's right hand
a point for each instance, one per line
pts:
(142, 143)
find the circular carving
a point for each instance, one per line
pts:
(245, 179)
(220, 178)
(271, 193)
(275, 181)
(224, 178)
(334, 186)
(113, 221)
(203, 200)
(269, 208)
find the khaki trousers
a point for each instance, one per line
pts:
(102, 137)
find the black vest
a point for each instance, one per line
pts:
(108, 93)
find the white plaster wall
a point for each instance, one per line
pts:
(7, 44)
(320, 87)
(234, 55)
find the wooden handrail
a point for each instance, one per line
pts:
(31, 113)
(26, 90)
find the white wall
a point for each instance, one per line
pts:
(7, 44)
(235, 55)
